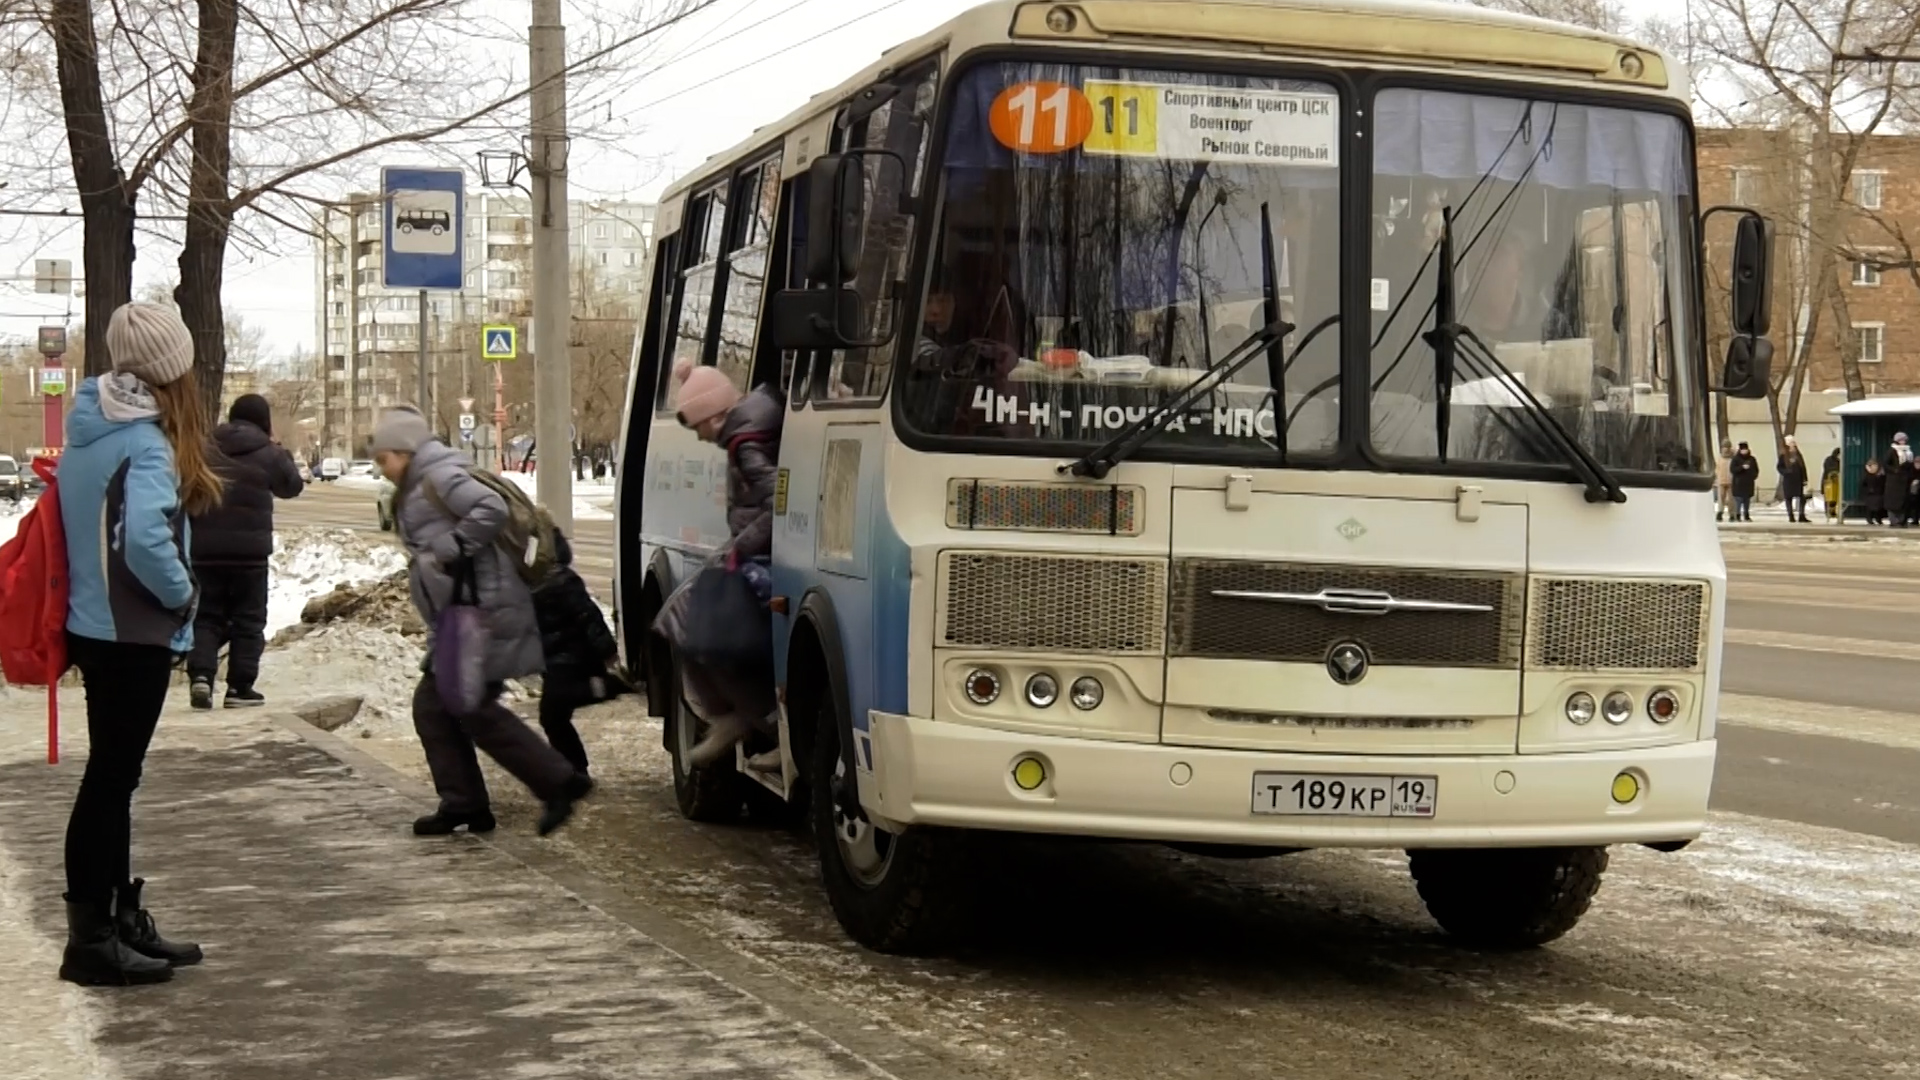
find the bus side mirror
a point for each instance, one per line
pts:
(836, 198)
(1749, 368)
(808, 320)
(1753, 277)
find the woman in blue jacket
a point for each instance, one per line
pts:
(134, 469)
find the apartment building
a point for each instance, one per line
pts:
(370, 335)
(1763, 169)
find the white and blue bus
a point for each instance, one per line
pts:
(1252, 425)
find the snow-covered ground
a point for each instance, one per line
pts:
(309, 562)
(10, 515)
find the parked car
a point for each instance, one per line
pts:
(360, 468)
(332, 468)
(13, 484)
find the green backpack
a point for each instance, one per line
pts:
(527, 539)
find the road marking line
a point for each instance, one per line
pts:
(1899, 730)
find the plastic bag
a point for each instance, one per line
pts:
(460, 646)
(715, 620)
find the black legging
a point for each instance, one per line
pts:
(126, 689)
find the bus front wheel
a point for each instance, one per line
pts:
(892, 892)
(714, 794)
(1508, 898)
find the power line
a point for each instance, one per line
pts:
(776, 54)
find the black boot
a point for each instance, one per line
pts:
(444, 822)
(96, 956)
(558, 811)
(140, 934)
(244, 697)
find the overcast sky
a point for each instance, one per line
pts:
(670, 121)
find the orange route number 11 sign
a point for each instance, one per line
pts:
(1041, 118)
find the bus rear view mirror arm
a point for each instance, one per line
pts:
(807, 320)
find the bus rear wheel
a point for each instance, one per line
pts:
(714, 794)
(1508, 898)
(892, 892)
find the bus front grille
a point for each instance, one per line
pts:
(1589, 624)
(1052, 603)
(1476, 621)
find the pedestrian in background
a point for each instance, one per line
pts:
(1830, 486)
(1793, 480)
(1744, 474)
(134, 471)
(1723, 482)
(1873, 493)
(231, 546)
(459, 521)
(1900, 477)
(579, 654)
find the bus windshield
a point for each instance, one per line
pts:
(1572, 248)
(1101, 247)
(1103, 238)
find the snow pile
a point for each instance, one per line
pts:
(307, 563)
(385, 604)
(592, 499)
(376, 664)
(10, 515)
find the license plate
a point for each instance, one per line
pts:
(1339, 795)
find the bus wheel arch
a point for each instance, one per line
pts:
(892, 893)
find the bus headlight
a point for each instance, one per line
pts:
(1087, 693)
(1617, 708)
(1580, 708)
(1042, 691)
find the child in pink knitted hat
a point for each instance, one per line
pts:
(749, 428)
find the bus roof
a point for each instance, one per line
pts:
(1174, 23)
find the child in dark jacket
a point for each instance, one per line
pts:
(579, 649)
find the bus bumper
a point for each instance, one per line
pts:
(926, 772)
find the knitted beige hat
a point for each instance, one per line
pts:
(149, 342)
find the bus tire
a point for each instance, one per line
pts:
(1508, 898)
(715, 794)
(892, 893)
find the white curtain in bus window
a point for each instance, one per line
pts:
(1110, 235)
(1573, 242)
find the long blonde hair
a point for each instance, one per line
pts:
(184, 423)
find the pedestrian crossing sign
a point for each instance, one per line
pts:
(499, 342)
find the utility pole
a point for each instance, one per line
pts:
(425, 396)
(547, 150)
(353, 324)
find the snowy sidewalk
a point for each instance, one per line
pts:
(338, 944)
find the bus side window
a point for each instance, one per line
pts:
(790, 252)
(654, 340)
(902, 126)
(759, 195)
(693, 330)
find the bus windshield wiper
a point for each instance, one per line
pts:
(1446, 339)
(1101, 460)
(1276, 349)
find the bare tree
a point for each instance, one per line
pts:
(236, 117)
(1593, 14)
(1781, 70)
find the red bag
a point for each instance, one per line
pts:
(33, 602)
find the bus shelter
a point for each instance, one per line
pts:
(1867, 428)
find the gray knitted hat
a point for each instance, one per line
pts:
(401, 429)
(149, 342)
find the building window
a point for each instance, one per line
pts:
(633, 258)
(628, 232)
(600, 231)
(1865, 273)
(506, 279)
(1866, 190)
(1746, 187)
(1871, 339)
(473, 279)
(603, 258)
